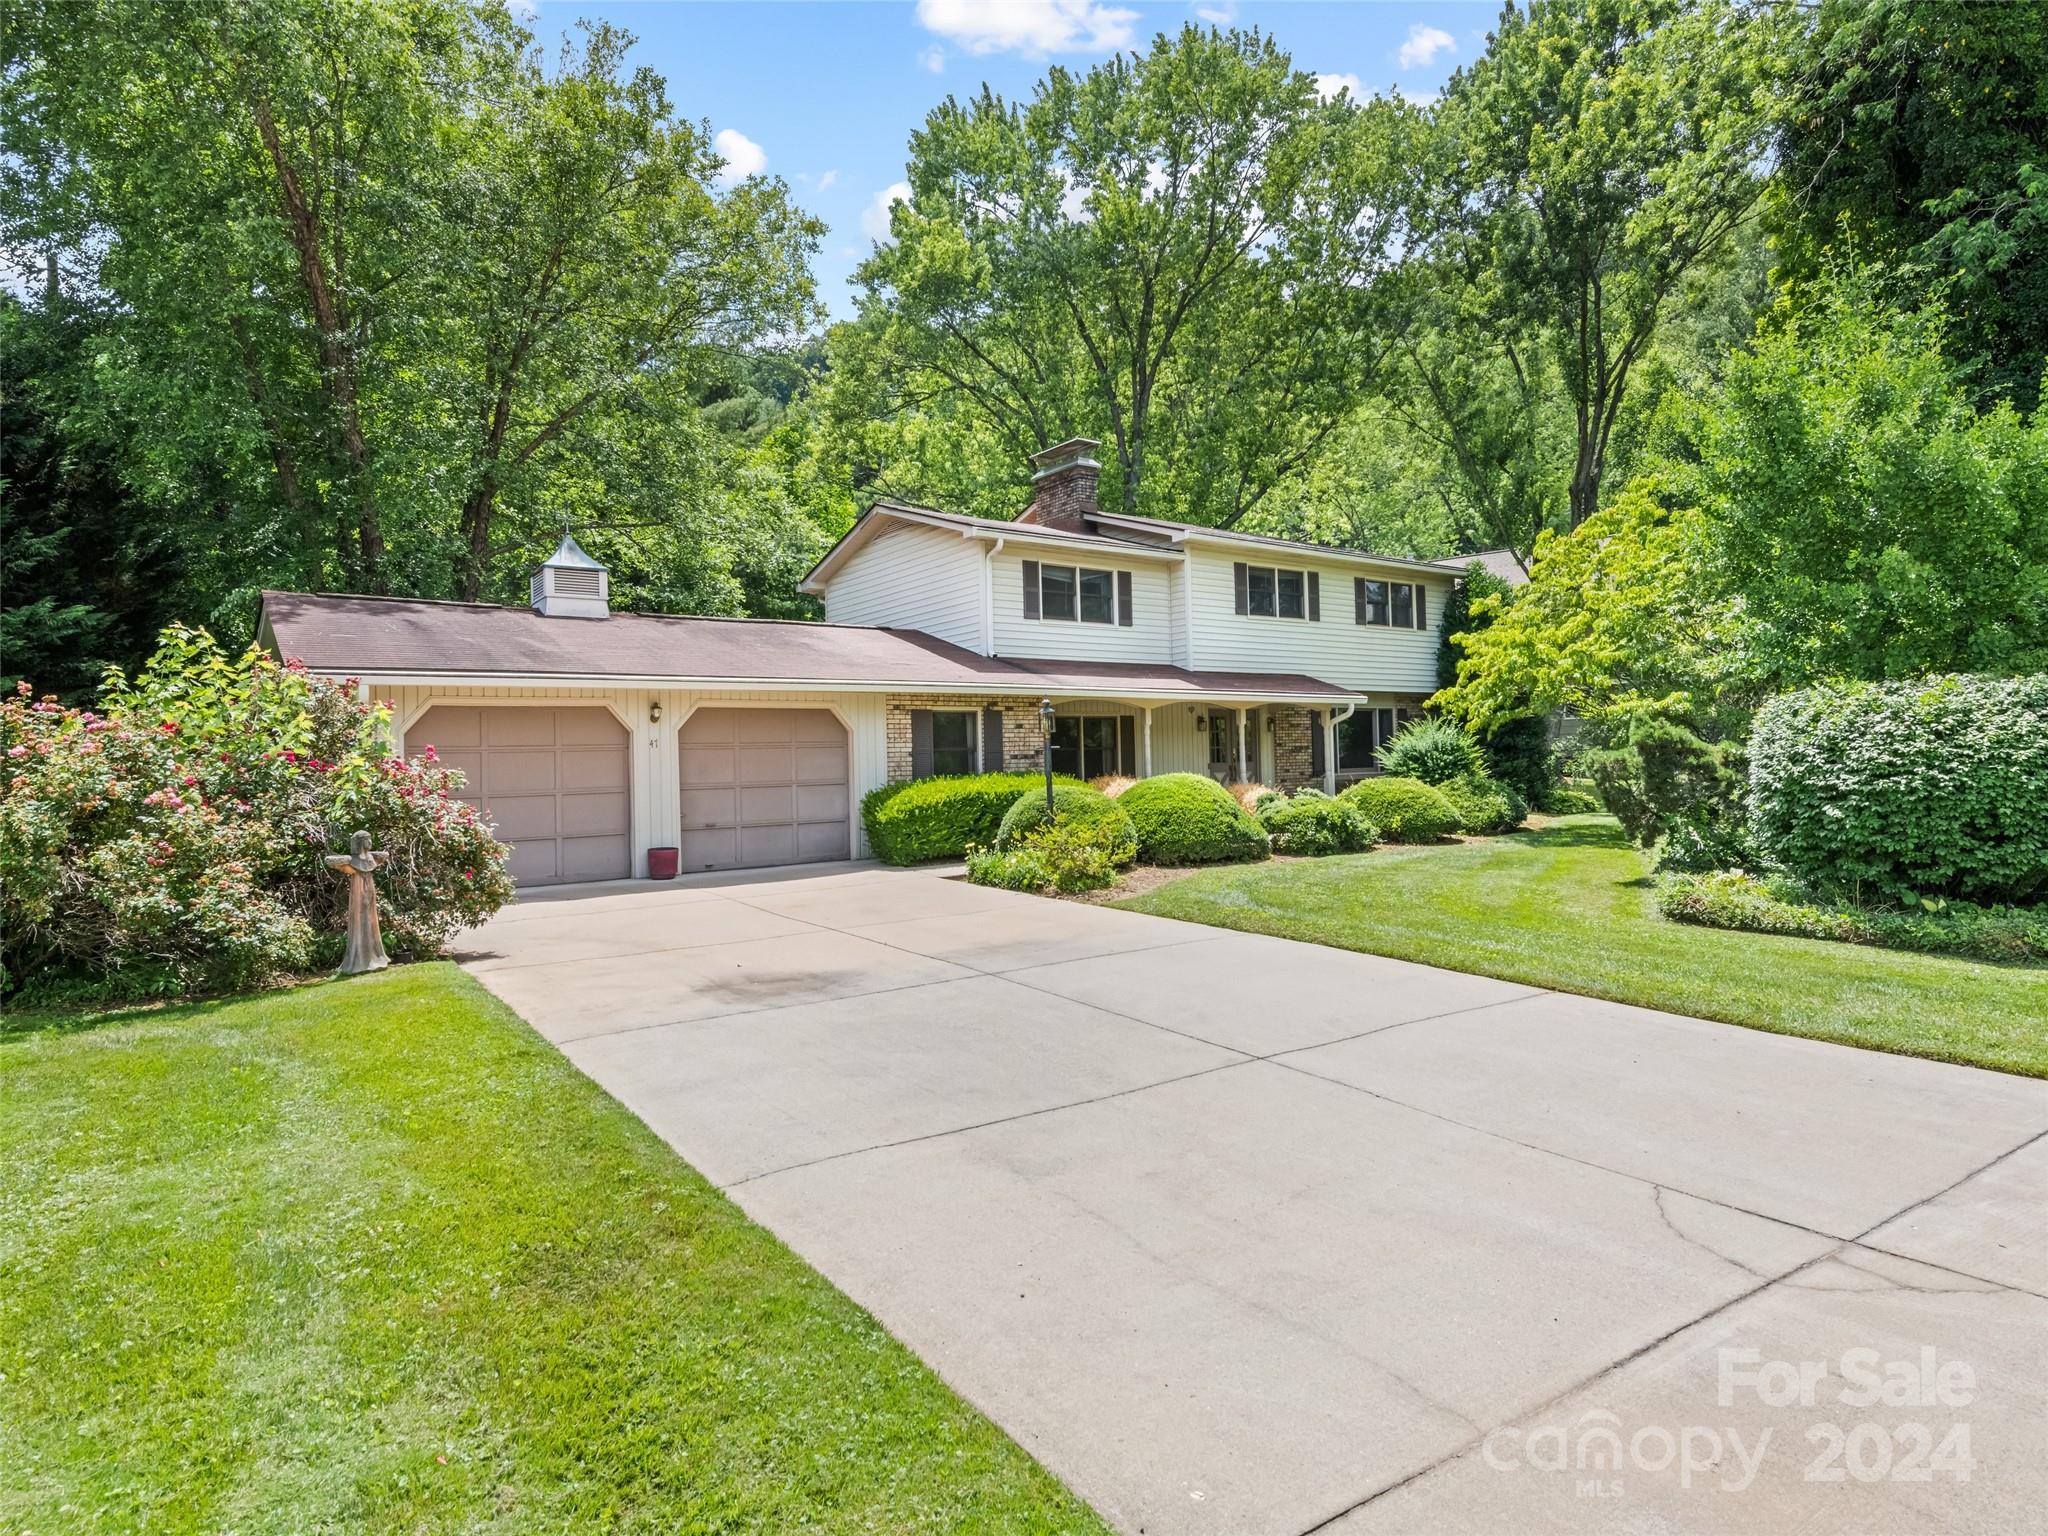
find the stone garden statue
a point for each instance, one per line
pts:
(365, 941)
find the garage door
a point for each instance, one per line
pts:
(554, 781)
(763, 786)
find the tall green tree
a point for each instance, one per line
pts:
(1919, 129)
(1176, 253)
(1596, 156)
(377, 273)
(1873, 523)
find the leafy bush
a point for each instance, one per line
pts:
(1677, 793)
(1405, 810)
(1434, 751)
(1518, 754)
(1076, 804)
(174, 841)
(1732, 899)
(1931, 787)
(1183, 818)
(1310, 824)
(1056, 855)
(1572, 800)
(1486, 806)
(938, 818)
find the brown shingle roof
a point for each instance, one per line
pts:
(388, 637)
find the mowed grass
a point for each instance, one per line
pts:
(371, 1256)
(1570, 907)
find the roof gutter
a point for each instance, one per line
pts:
(1038, 687)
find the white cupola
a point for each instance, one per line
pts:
(571, 585)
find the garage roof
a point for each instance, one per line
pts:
(394, 640)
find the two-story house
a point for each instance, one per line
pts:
(950, 644)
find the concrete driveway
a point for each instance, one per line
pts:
(1239, 1235)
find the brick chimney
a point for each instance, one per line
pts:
(1063, 485)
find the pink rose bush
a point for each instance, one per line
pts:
(173, 840)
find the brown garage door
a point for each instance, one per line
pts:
(763, 786)
(554, 781)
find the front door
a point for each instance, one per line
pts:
(1223, 745)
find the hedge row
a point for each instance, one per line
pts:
(937, 818)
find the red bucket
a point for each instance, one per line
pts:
(661, 863)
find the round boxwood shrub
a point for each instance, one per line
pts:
(1405, 810)
(1434, 751)
(937, 818)
(1932, 787)
(1486, 806)
(1076, 805)
(1183, 818)
(1309, 824)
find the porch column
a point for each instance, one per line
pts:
(1243, 777)
(1148, 741)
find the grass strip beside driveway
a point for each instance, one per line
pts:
(1570, 907)
(371, 1255)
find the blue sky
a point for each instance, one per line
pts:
(825, 93)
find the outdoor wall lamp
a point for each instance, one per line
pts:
(654, 713)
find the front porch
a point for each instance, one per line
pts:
(1289, 746)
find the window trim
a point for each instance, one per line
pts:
(1117, 582)
(1363, 606)
(1308, 591)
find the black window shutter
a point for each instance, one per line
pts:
(1123, 599)
(991, 741)
(1315, 742)
(1127, 744)
(1030, 589)
(1239, 579)
(920, 743)
(1358, 599)
(1421, 606)
(1315, 598)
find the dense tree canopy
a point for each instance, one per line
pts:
(1176, 253)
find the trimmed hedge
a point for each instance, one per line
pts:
(1571, 800)
(1486, 806)
(1310, 824)
(937, 818)
(1405, 810)
(1938, 786)
(1074, 805)
(1732, 899)
(1183, 818)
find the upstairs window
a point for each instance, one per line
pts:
(1076, 594)
(1275, 592)
(1393, 604)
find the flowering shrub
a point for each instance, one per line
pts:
(1063, 854)
(173, 840)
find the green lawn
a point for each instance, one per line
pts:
(1570, 907)
(371, 1256)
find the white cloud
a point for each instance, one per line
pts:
(742, 156)
(933, 59)
(1416, 98)
(874, 219)
(1029, 27)
(1221, 14)
(826, 178)
(1424, 44)
(1330, 86)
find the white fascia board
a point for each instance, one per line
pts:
(1020, 689)
(1225, 539)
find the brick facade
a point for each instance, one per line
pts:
(1294, 749)
(1023, 736)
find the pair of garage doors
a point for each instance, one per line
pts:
(759, 786)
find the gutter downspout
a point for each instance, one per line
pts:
(1330, 746)
(988, 595)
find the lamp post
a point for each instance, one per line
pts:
(1045, 713)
